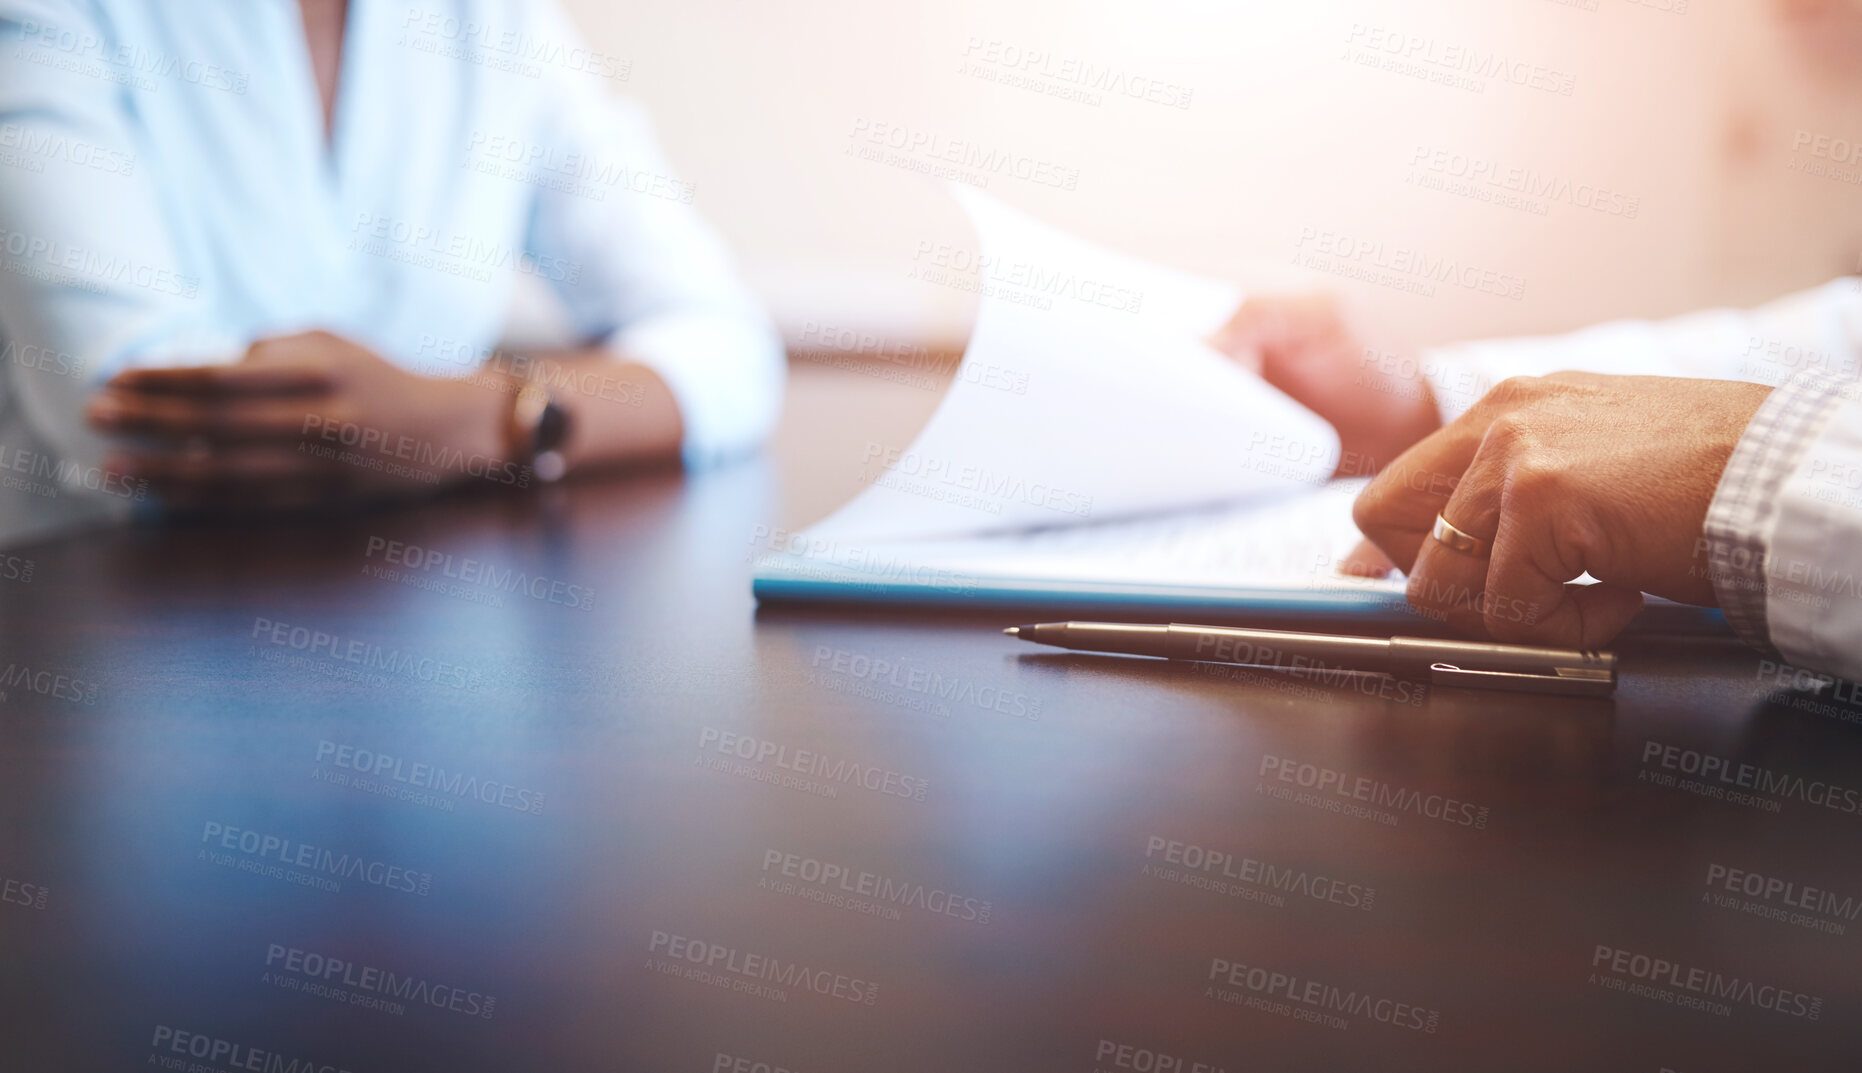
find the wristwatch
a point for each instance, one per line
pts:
(536, 431)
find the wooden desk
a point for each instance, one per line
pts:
(258, 787)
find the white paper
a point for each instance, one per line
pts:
(1289, 543)
(1123, 409)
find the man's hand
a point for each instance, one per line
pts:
(303, 421)
(1305, 347)
(1570, 474)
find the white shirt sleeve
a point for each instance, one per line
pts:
(90, 277)
(1783, 539)
(1810, 330)
(639, 267)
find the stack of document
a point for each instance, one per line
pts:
(1093, 453)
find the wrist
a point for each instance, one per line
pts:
(534, 426)
(475, 418)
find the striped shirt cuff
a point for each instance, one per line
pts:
(1744, 512)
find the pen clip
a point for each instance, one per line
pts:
(1563, 681)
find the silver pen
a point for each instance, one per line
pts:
(1475, 664)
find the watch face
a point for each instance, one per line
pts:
(549, 466)
(552, 428)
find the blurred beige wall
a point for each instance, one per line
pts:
(1311, 127)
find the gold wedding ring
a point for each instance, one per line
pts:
(1465, 543)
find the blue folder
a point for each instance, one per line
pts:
(788, 579)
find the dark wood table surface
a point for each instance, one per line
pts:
(263, 801)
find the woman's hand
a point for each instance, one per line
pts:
(302, 421)
(1306, 347)
(1560, 476)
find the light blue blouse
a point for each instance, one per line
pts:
(168, 196)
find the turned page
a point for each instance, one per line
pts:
(1086, 394)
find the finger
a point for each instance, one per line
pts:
(1397, 510)
(1449, 584)
(1531, 597)
(1562, 615)
(180, 417)
(294, 376)
(1240, 337)
(1266, 328)
(1365, 560)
